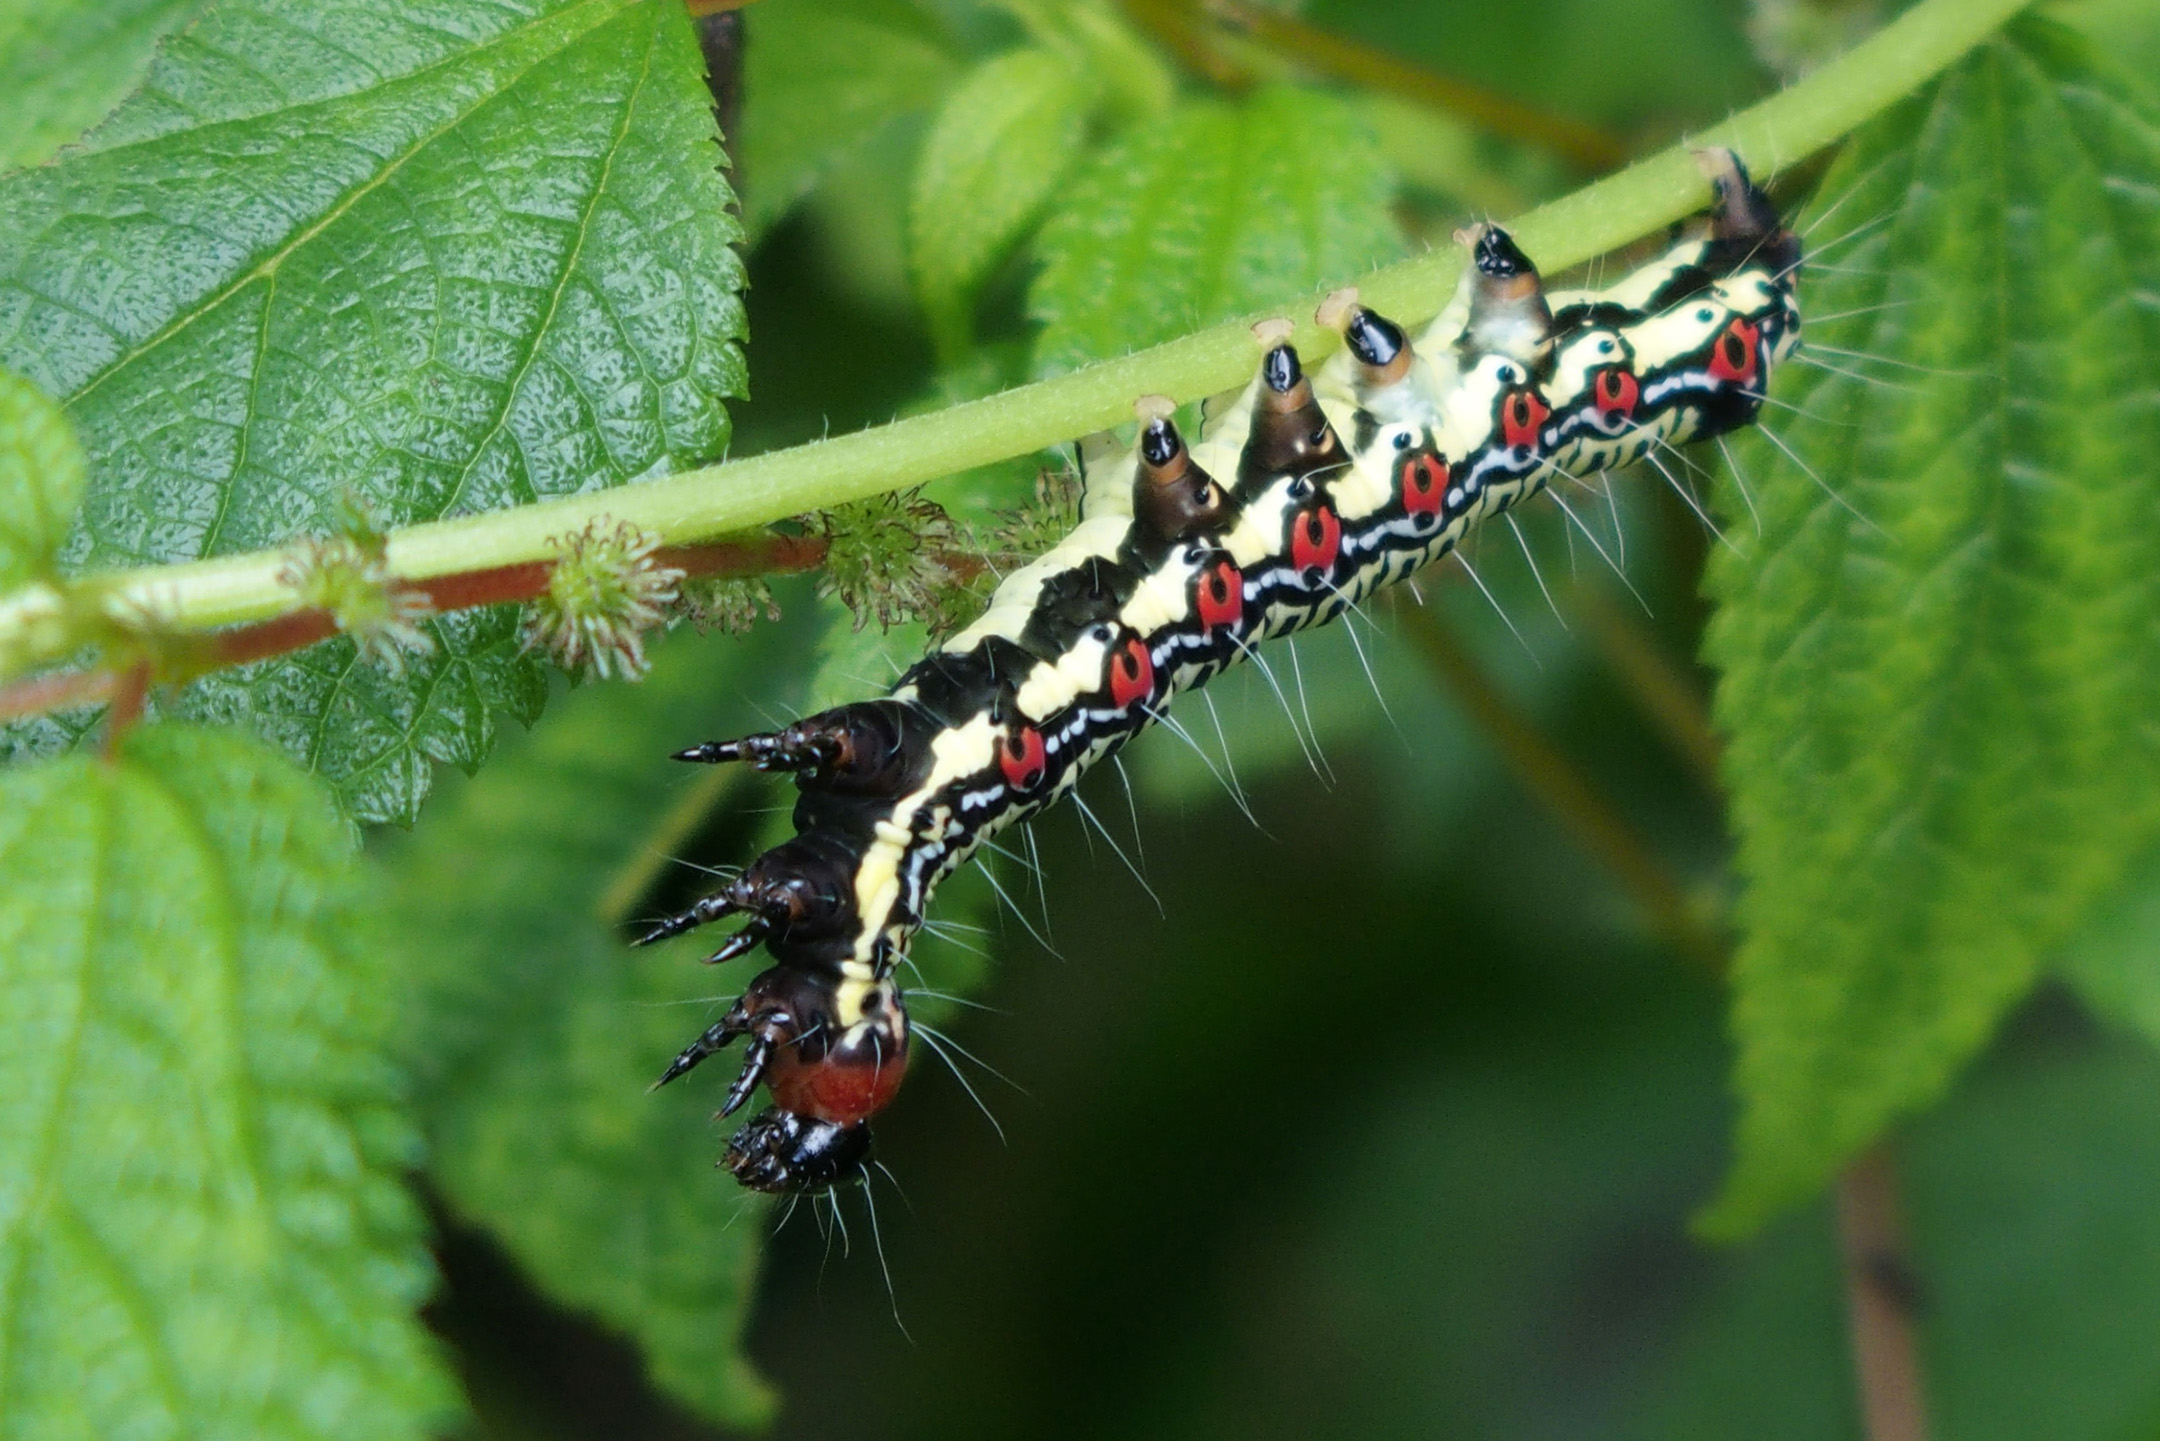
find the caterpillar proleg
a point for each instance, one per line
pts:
(1312, 492)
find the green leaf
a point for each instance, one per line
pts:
(202, 1231)
(820, 79)
(41, 482)
(2113, 962)
(64, 65)
(1004, 139)
(535, 1032)
(1940, 683)
(1211, 212)
(443, 261)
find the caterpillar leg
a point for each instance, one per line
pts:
(801, 889)
(718, 1037)
(861, 748)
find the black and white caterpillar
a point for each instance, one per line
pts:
(1311, 493)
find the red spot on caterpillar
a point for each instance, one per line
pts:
(1315, 539)
(1022, 757)
(1424, 482)
(1615, 391)
(843, 1086)
(1132, 673)
(1221, 598)
(1733, 357)
(1520, 416)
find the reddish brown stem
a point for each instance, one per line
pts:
(130, 690)
(63, 690)
(1882, 1297)
(1178, 26)
(245, 644)
(770, 554)
(764, 555)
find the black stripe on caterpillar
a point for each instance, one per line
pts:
(1309, 494)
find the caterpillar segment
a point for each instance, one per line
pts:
(1313, 491)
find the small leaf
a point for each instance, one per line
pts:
(1214, 211)
(439, 261)
(41, 482)
(201, 1134)
(1940, 683)
(1004, 139)
(64, 65)
(820, 79)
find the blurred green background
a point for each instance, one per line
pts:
(1391, 1118)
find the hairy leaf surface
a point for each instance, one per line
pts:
(1210, 212)
(201, 1227)
(438, 261)
(1941, 659)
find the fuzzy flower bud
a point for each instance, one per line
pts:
(346, 576)
(604, 593)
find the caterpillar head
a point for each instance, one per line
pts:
(816, 1133)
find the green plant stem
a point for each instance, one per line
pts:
(740, 495)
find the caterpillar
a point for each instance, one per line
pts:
(1311, 492)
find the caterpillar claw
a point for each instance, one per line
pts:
(1379, 347)
(703, 912)
(1746, 227)
(742, 943)
(711, 753)
(717, 1037)
(779, 1152)
(803, 746)
(755, 1060)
